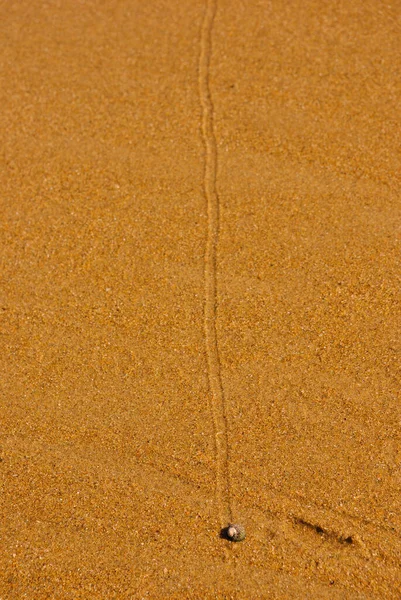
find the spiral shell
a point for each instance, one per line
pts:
(235, 532)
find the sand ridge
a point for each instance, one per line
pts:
(218, 402)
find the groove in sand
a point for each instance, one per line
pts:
(218, 404)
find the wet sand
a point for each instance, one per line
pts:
(200, 299)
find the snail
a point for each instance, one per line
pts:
(235, 532)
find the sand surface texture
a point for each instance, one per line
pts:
(200, 299)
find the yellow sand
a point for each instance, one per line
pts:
(183, 346)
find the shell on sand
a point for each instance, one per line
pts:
(235, 532)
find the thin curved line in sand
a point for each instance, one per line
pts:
(218, 403)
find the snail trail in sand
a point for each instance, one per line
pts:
(218, 402)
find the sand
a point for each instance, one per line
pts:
(200, 299)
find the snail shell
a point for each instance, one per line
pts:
(235, 532)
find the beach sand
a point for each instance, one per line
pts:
(200, 299)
